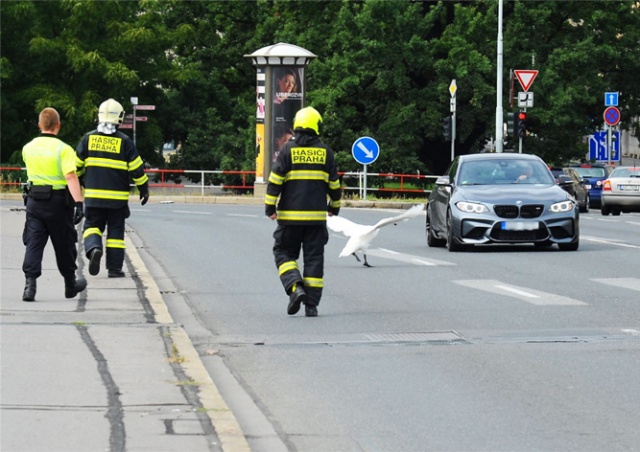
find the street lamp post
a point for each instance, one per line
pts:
(499, 117)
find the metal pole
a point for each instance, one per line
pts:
(134, 102)
(453, 88)
(365, 182)
(453, 133)
(499, 117)
(134, 126)
(609, 145)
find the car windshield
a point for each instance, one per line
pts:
(625, 172)
(506, 171)
(591, 172)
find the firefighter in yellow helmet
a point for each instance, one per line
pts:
(303, 189)
(54, 206)
(108, 161)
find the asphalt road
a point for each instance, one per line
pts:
(501, 348)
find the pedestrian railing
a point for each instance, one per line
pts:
(224, 182)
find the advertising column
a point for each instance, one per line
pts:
(280, 92)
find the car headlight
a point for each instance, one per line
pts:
(564, 206)
(471, 207)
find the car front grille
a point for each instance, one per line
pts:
(513, 211)
(519, 236)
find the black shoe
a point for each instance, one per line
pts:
(311, 311)
(297, 297)
(29, 293)
(116, 274)
(73, 287)
(94, 261)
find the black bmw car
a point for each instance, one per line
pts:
(500, 198)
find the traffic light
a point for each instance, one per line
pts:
(522, 124)
(446, 128)
(511, 123)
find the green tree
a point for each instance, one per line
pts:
(383, 70)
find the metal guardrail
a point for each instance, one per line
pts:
(171, 179)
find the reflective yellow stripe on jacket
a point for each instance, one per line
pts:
(302, 215)
(106, 194)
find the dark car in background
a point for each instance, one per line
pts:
(596, 173)
(570, 181)
(486, 199)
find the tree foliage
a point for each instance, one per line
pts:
(383, 70)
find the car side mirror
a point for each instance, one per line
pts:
(443, 180)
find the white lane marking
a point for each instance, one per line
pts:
(633, 223)
(630, 331)
(423, 262)
(406, 258)
(535, 297)
(193, 212)
(626, 283)
(608, 241)
(518, 291)
(242, 215)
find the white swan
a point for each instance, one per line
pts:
(360, 236)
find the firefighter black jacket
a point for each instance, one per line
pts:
(107, 165)
(305, 178)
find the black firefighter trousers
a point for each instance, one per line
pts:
(289, 240)
(113, 220)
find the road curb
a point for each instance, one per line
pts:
(223, 421)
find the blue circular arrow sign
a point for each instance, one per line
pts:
(365, 150)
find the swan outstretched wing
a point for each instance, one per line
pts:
(412, 212)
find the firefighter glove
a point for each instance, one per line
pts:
(144, 195)
(78, 213)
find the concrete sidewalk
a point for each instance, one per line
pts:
(106, 371)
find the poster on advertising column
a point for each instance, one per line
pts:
(260, 113)
(287, 99)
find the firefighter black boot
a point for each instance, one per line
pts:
(94, 261)
(297, 296)
(29, 293)
(73, 287)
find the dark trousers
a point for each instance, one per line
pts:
(50, 218)
(289, 240)
(98, 219)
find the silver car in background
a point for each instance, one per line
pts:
(621, 191)
(500, 198)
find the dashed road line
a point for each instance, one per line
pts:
(608, 241)
(535, 297)
(193, 212)
(625, 283)
(407, 258)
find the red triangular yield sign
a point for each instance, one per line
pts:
(525, 77)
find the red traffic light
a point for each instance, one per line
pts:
(522, 116)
